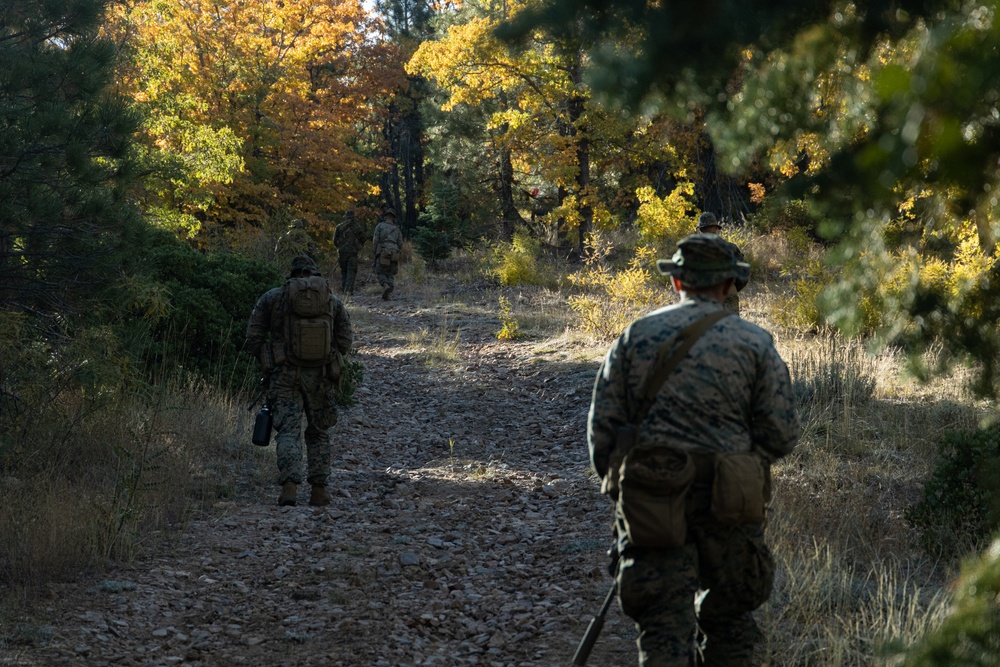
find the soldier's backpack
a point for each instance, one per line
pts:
(308, 314)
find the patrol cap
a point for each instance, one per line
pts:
(703, 260)
(707, 219)
(301, 263)
(389, 211)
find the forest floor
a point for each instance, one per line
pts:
(465, 527)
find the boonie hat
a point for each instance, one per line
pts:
(703, 260)
(302, 262)
(389, 211)
(707, 219)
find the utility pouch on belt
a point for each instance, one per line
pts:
(741, 488)
(385, 257)
(654, 482)
(624, 442)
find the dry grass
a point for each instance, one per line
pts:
(118, 477)
(851, 574)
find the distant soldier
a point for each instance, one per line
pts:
(300, 332)
(689, 408)
(709, 224)
(388, 243)
(349, 238)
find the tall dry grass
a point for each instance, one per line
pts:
(851, 574)
(110, 481)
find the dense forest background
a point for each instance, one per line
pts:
(162, 160)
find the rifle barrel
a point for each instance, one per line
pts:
(593, 630)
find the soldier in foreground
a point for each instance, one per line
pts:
(690, 407)
(388, 243)
(348, 238)
(709, 224)
(299, 332)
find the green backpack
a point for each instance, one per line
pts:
(308, 322)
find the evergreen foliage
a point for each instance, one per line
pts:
(961, 503)
(970, 633)
(441, 225)
(65, 158)
(209, 300)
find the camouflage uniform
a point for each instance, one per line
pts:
(731, 393)
(732, 304)
(387, 238)
(294, 391)
(348, 238)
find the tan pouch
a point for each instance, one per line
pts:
(624, 441)
(653, 485)
(278, 353)
(741, 488)
(385, 257)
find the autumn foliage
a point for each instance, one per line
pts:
(254, 107)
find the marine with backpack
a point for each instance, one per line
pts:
(300, 333)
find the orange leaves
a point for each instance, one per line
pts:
(295, 81)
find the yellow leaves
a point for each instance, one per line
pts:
(614, 299)
(265, 97)
(665, 221)
(785, 155)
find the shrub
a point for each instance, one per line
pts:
(664, 221)
(510, 329)
(970, 633)
(961, 502)
(210, 298)
(616, 298)
(776, 214)
(518, 262)
(352, 376)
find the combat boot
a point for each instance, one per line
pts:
(287, 496)
(320, 496)
(386, 292)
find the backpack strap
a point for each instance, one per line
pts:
(662, 368)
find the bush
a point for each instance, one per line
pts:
(961, 503)
(445, 224)
(518, 263)
(776, 214)
(352, 376)
(510, 328)
(664, 221)
(970, 633)
(616, 298)
(209, 298)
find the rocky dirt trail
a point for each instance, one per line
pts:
(464, 529)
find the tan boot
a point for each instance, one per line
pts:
(320, 496)
(287, 496)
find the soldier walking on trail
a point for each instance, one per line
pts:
(388, 243)
(690, 407)
(709, 224)
(348, 238)
(300, 332)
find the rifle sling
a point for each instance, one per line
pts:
(661, 370)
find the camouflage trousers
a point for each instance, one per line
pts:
(348, 271)
(296, 393)
(657, 590)
(386, 274)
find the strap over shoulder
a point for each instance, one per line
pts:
(663, 366)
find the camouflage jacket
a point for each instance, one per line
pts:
(267, 324)
(731, 392)
(387, 235)
(349, 237)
